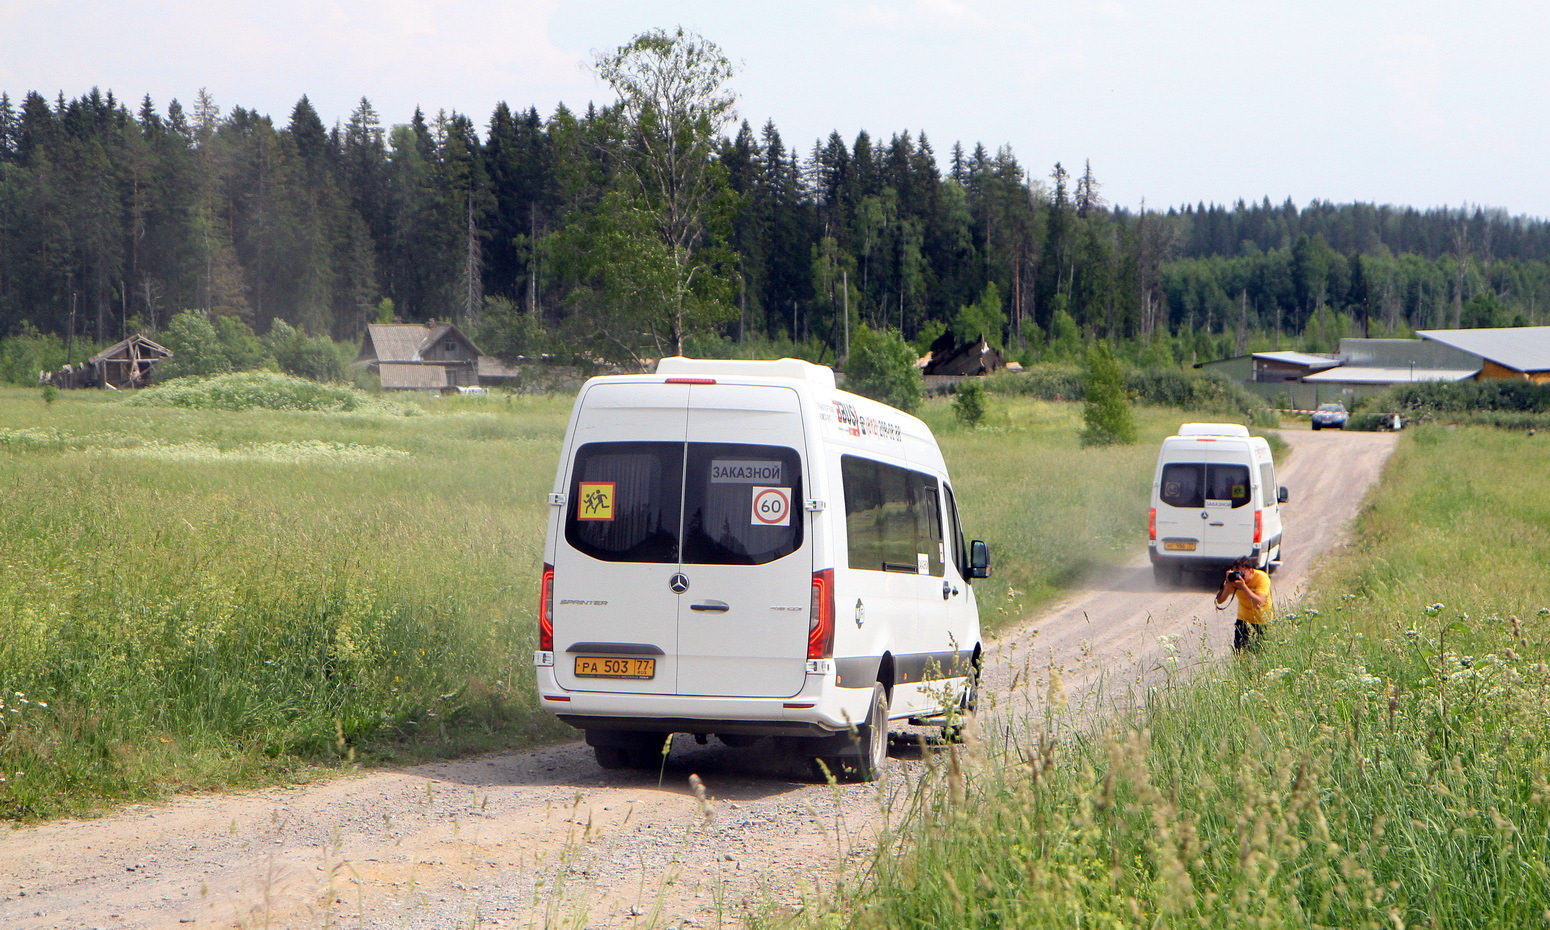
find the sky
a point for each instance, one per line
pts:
(1406, 102)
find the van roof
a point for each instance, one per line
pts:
(792, 368)
(1235, 430)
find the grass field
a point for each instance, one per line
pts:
(1384, 762)
(200, 599)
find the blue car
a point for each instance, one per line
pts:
(1330, 415)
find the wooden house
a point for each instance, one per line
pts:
(420, 356)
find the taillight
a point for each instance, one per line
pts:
(1259, 525)
(546, 611)
(1151, 524)
(820, 617)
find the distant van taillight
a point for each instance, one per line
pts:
(546, 611)
(820, 617)
(1151, 524)
(1259, 526)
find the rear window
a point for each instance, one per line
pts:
(624, 501)
(738, 504)
(893, 518)
(1191, 484)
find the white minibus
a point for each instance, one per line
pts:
(738, 548)
(1214, 500)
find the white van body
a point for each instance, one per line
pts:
(738, 548)
(1214, 501)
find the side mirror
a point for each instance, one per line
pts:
(1281, 496)
(979, 559)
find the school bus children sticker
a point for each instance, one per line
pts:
(596, 501)
(771, 506)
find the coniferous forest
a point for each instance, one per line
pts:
(113, 219)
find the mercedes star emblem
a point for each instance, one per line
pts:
(679, 583)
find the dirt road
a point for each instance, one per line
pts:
(545, 838)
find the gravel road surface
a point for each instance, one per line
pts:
(545, 838)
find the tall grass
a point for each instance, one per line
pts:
(208, 598)
(1385, 762)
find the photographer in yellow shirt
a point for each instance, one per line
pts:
(1252, 589)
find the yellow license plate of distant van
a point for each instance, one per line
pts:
(1179, 545)
(615, 667)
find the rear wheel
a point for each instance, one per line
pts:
(964, 716)
(1166, 575)
(869, 744)
(628, 750)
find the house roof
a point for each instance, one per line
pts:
(1521, 348)
(403, 342)
(412, 376)
(1299, 358)
(1358, 374)
(119, 351)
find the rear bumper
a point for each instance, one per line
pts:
(1192, 561)
(820, 708)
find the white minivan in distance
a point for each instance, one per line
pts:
(740, 549)
(1214, 501)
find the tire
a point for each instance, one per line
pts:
(1275, 563)
(1315, 427)
(1167, 576)
(612, 758)
(869, 745)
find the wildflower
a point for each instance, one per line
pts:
(1433, 609)
(1411, 634)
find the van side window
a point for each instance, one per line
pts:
(1191, 484)
(892, 518)
(743, 504)
(955, 535)
(1267, 484)
(624, 501)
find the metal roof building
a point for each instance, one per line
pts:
(1511, 352)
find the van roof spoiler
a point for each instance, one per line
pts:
(1214, 429)
(793, 368)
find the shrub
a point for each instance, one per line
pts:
(316, 358)
(261, 390)
(1107, 410)
(969, 401)
(882, 366)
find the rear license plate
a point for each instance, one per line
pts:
(608, 667)
(1179, 545)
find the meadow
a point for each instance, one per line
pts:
(200, 598)
(1383, 762)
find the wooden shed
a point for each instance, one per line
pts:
(127, 364)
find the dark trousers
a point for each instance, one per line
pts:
(1246, 635)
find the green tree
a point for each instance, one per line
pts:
(673, 200)
(969, 401)
(985, 317)
(1106, 414)
(882, 366)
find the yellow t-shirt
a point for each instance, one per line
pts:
(1259, 583)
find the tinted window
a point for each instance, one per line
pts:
(1228, 483)
(743, 504)
(1191, 484)
(955, 535)
(1267, 484)
(1183, 484)
(624, 501)
(893, 518)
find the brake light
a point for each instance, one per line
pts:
(820, 616)
(1259, 525)
(1151, 524)
(546, 611)
(691, 381)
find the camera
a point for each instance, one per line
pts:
(1235, 575)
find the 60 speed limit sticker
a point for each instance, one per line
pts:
(771, 506)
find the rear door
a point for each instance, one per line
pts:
(747, 559)
(1228, 514)
(1181, 505)
(613, 595)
